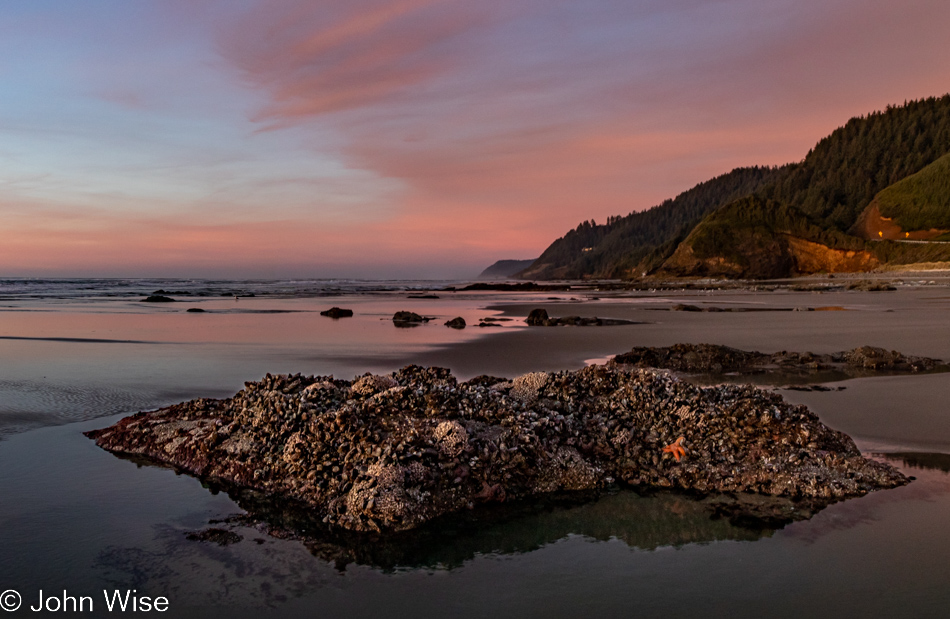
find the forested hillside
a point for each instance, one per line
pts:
(845, 170)
(828, 190)
(616, 248)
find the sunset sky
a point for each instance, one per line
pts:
(397, 138)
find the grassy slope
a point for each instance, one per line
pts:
(920, 201)
(842, 174)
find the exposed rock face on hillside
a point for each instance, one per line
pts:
(758, 239)
(389, 453)
(812, 258)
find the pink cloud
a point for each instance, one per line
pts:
(534, 123)
(316, 58)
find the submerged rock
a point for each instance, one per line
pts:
(157, 298)
(456, 323)
(389, 453)
(221, 537)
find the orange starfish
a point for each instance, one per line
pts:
(676, 448)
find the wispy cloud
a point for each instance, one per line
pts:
(316, 58)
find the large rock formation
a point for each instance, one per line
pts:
(388, 453)
(716, 359)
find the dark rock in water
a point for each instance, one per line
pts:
(172, 292)
(409, 317)
(337, 312)
(194, 310)
(422, 296)
(157, 298)
(539, 318)
(221, 537)
(684, 307)
(226, 294)
(389, 453)
(456, 323)
(693, 358)
(715, 359)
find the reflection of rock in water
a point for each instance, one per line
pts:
(642, 522)
(931, 461)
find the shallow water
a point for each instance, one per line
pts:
(65, 359)
(85, 520)
(77, 518)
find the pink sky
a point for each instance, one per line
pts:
(427, 138)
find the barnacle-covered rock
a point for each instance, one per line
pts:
(452, 438)
(389, 453)
(525, 388)
(369, 384)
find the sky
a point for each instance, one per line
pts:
(408, 138)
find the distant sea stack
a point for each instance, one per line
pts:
(504, 269)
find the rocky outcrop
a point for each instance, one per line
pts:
(539, 318)
(811, 257)
(871, 286)
(456, 323)
(337, 312)
(715, 359)
(389, 453)
(157, 298)
(409, 318)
